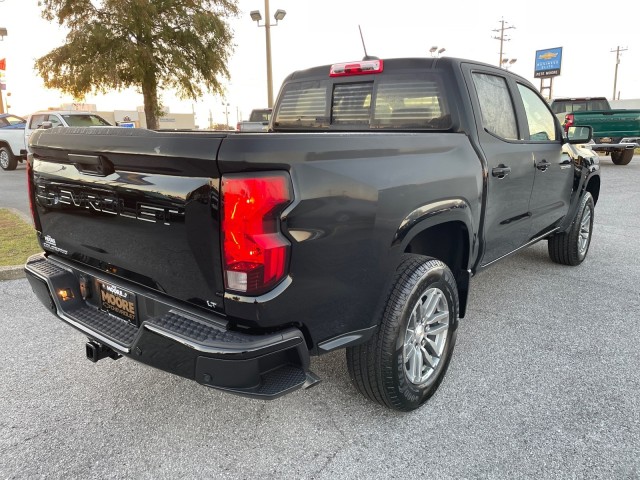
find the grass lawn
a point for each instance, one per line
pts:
(17, 239)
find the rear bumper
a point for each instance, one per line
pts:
(172, 337)
(612, 147)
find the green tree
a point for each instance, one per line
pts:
(148, 44)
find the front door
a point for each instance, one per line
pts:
(553, 170)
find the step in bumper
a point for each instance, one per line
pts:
(171, 336)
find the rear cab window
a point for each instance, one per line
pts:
(389, 100)
(85, 120)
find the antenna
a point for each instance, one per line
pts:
(366, 55)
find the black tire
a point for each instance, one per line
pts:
(378, 368)
(7, 160)
(571, 247)
(623, 157)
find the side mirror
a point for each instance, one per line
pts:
(46, 125)
(579, 134)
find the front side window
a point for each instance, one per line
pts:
(36, 121)
(540, 120)
(496, 106)
(55, 121)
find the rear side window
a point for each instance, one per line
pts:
(385, 102)
(498, 114)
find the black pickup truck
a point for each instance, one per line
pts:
(357, 222)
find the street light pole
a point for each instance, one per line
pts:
(267, 28)
(257, 16)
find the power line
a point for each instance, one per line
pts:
(502, 36)
(618, 50)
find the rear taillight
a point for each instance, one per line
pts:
(31, 193)
(255, 253)
(568, 121)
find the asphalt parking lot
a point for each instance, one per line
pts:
(544, 383)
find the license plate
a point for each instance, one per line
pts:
(118, 301)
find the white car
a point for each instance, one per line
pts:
(62, 118)
(12, 148)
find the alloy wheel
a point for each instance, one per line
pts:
(426, 336)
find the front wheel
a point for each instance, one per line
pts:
(571, 247)
(8, 161)
(403, 364)
(623, 157)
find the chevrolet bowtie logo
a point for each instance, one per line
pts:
(548, 56)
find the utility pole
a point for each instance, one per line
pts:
(502, 37)
(615, 77)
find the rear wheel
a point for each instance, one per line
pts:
(571, 247)
(623, 157)
(403, 364)
(7, 160)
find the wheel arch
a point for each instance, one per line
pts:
(444, 232)
(593, 187)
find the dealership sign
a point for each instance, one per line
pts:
(548, 62)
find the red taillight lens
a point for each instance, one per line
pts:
(255, 251)
(31, 193)
(568, 121)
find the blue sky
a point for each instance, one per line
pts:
(326, 31)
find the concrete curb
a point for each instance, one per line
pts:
(27, 218)
(12, 273)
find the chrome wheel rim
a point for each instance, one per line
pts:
(4, 158)
(585, 231)
(426, 335)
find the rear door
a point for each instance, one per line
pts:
(510, 164)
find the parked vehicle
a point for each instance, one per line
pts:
(562, 106)
(357, 223)
(614, 131)
(63, 118)
(14, 140)
(12, 148)
(258, 121)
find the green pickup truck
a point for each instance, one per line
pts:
(614, 131)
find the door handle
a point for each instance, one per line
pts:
(501, 171)
(543, 165)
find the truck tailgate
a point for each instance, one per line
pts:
(138, 204)
(611, 123)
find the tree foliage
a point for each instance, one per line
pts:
(149, 44)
